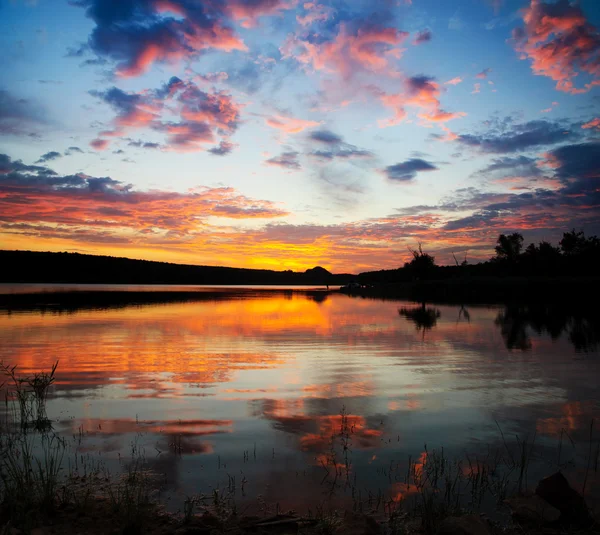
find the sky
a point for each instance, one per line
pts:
(284, 134)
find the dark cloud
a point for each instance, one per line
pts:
(423, 36)
(143, 144)
(578, 167)
(325, 136)
(138, 33)
(123, 103)
(224, 148)
(406, 171)
(521, 166)
(52, 155)
(336, 147)
(520, 137)
(288, 160)
(575, 201)
(71, 150)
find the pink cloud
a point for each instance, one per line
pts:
(476, 89)
(290, 125)
(483, 74)
(99, 144)
(560, 43)
(550, 108)
(248, 13)
(367, 48)
(455, 81)
(421, 92)
(314, 13)
(203, 116)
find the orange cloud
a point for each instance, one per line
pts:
(594, 123)
(441, 116)
(290, 125)
(560, 43)
(421, 92)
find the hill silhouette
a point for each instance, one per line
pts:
(47, 267)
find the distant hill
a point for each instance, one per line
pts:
(30, 266)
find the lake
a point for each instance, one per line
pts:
(251, 385)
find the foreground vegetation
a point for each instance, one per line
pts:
(48, 486)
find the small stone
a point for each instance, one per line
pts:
(464, 525)
(555, 490)
(533, 509)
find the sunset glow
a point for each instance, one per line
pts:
(283, 135)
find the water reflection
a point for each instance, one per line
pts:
(582, 325)
(203, 383)
(424, 318)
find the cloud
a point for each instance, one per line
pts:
(422, 92)
(335, 147)
(325, 136)
(143, 144)
(136, 34)
(19, 116)
(314, 13)
(441, 116)
(520, 166)
(290, 125)
(71, 150)
(99, 144)
(287, 160)
(424, 36)
(483, 74)
(455, 81)
(550, 108)
(52, 155)
(519, 137)
(560, 43)
(407, 170)
(365, 47)
(203, 116)
(476, 89)
(224, 148)
(594, 123)
(36, 195)
(133, 110)
(578, 167)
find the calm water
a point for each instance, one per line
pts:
(253, 387)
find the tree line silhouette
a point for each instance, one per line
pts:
(575, 255)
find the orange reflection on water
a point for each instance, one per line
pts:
(97, 426)
(575, 416)
(330, 426)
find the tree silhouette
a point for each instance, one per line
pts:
(422, 263)
(509, 247)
